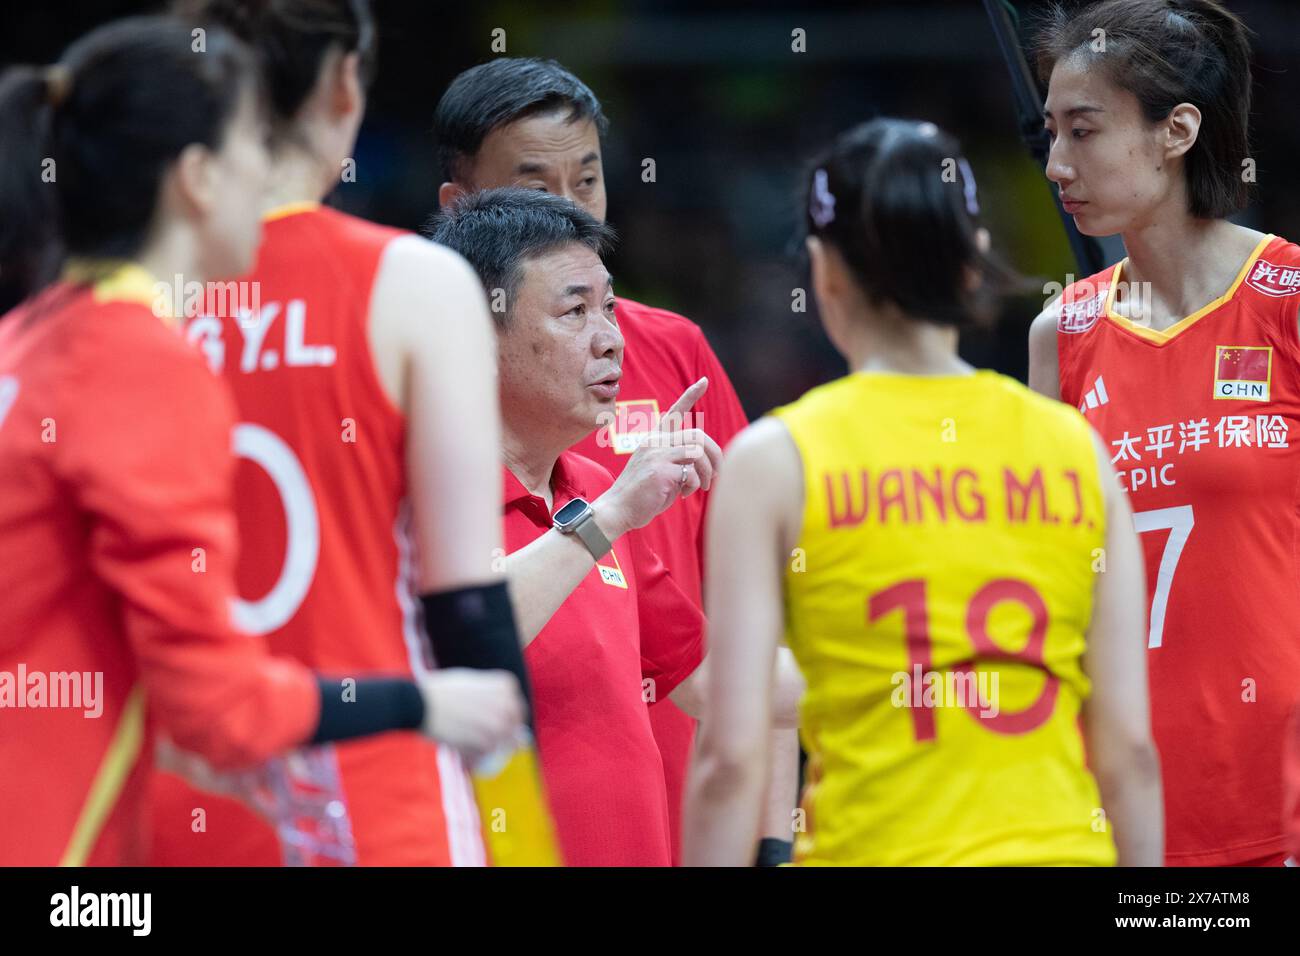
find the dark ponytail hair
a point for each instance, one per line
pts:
(1167, 52)
(897, 200)
(84, 144)
(292, 38)
(28, 230)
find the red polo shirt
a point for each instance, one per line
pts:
(625, 623)
(665, 353)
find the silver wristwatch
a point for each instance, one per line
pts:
(577, 518)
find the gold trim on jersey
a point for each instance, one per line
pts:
(122, 753)
(1163, 336)
(120, 280)
(289, 209)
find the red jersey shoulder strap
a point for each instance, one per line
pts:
(1083, 302)
(1082, 305)
(1272, 289)
(358, 243)
(1275, 273)
(1274, 277)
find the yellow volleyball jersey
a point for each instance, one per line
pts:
(937, 604)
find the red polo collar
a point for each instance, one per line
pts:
(565, 486)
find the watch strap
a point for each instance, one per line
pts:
(592, 536)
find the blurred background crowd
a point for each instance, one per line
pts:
(715, 93)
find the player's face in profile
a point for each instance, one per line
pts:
(239, 170)
(561, 353)
(1105, 156)
(547, 152)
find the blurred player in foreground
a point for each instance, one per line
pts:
(531, 123)
(1185, 358)
(927, 534)
(115, 468)
(369, 485)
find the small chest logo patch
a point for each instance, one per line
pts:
(611, 572)
(1243, 372)
(633, 422)
(1081, 315)
(1276, 281)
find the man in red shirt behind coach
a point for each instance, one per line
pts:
(531, 123)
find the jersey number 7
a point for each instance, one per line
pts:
(1179, 522)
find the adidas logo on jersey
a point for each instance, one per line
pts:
(1081, 315)
(1276, 281)
(1094, 396)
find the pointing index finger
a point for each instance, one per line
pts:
(674, 416)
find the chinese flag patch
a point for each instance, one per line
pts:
(1243, 364)
(1242, 372)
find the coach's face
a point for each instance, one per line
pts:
(545, 151)
(561, 353)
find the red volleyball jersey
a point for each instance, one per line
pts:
(117, 562)
(327, 572)
(1201, 420)
(665, 354)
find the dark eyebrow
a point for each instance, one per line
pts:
(583, 290)
(1074, 111)
(534, 166)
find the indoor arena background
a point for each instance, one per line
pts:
(715, 94)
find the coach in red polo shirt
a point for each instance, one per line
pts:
(533, 124)
(606, 627)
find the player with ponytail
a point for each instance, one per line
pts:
(134, 159)
(369, 488)
(923, 534)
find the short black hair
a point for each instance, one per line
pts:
(497, 229)
(881, 194)
(501, 91)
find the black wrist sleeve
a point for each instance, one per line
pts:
(773, 852)
(368, 705)
(475, 627)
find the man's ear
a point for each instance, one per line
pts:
(192, 181)
(448, 193)
(1180, 129)
(349, 94)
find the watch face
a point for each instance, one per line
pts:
(571, 512)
